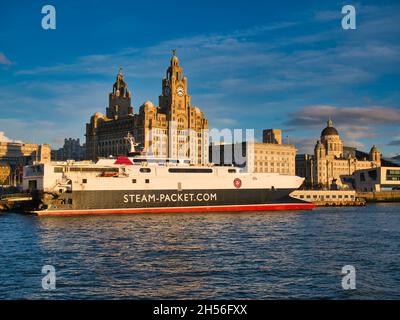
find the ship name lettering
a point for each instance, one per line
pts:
(174, 197)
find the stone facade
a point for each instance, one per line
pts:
(174, 129)
(332, 163)
(256, 156)
(71, 150)
(273, 158)
(24, 153)
(16, 155)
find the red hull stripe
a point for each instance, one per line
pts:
(238, 208)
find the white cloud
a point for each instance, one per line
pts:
(303, 145)
(358, 126)
(353, 117)
(4, 138)
(236, 72)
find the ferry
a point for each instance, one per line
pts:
(139, 184)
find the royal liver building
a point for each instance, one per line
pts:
(173, 129)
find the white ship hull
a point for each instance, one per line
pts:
(110, 187)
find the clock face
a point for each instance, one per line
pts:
(180, 91)
(167, 91)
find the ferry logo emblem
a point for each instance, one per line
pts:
(237, 183)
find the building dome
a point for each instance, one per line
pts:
(329, 130)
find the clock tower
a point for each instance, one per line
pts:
(173, 129)
(174, 100)
(186, 125)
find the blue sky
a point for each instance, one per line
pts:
(250, 64)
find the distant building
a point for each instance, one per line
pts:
(272, 136)
(24, 153)
(256, 156)
(332, 163)
(304, 168)
(174, 129)
(16, 155)
(71, 150)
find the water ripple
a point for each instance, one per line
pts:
(211, 256)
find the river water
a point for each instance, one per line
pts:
(279, 255)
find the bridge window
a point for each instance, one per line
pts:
(393, 175)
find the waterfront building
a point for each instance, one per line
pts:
(174, 129)
(256, 156)
(332, 164)
(16, 155)
(376, 179)
(71, 150)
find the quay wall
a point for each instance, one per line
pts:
(380, 196)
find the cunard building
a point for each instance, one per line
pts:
(173, 129)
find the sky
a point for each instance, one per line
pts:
(250, 65)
